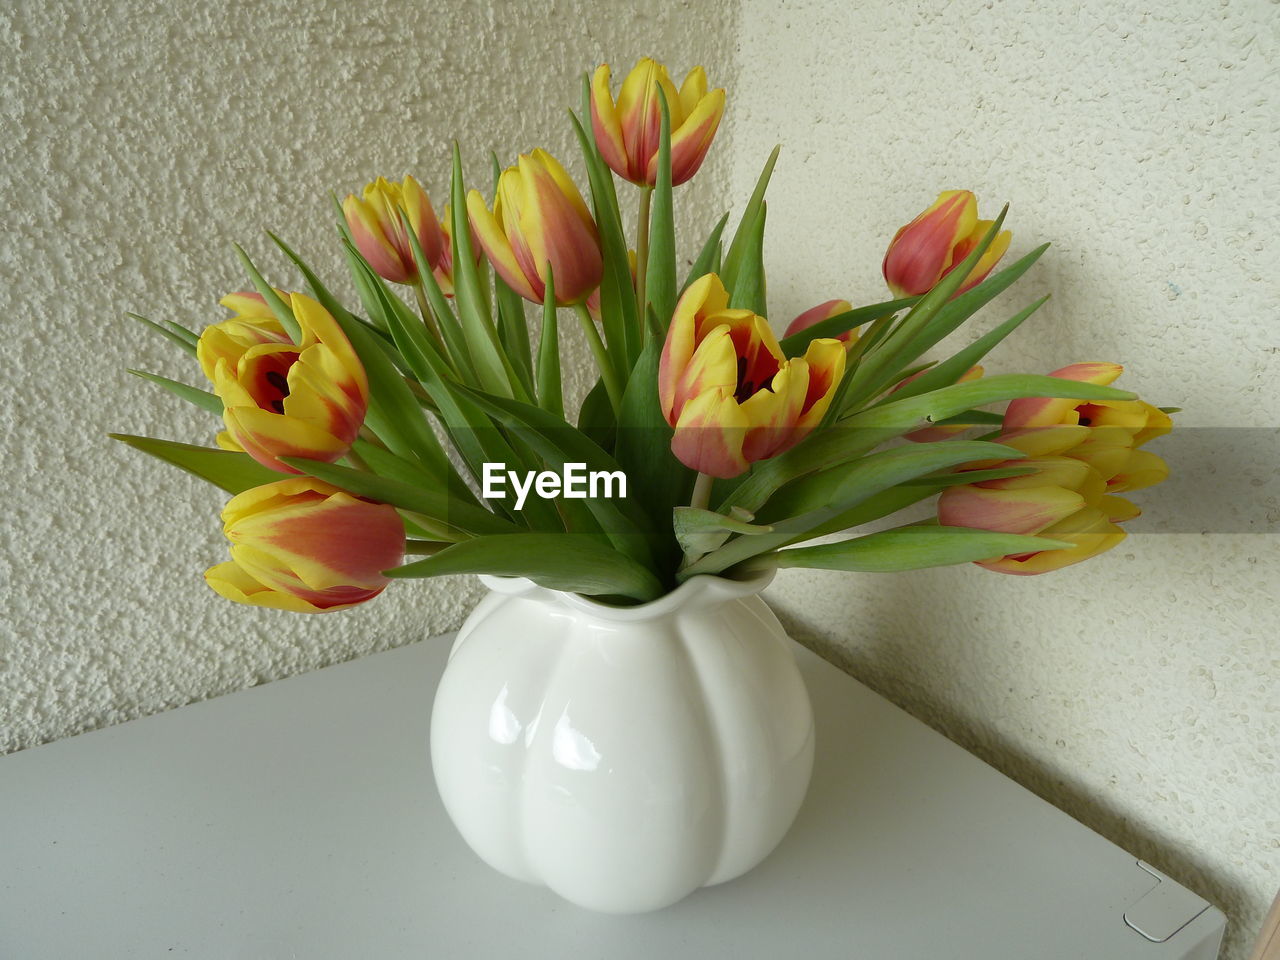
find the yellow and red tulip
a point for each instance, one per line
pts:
(539, 218)
(378, 232)
(728, 390)
(926, 249)
(303, 545)
(282, 399)
(1084, 453)
(627, 132)
(824, 311)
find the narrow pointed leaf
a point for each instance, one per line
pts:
(172, 335)
(733, 259)
(707, 260)
(201, 398)
(232, 471)
(279, 309)
(660, 287)
(908, 548)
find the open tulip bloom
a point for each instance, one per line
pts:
(350, 435)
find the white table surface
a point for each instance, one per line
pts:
(299, 820)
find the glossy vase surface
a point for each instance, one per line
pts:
(622, 756)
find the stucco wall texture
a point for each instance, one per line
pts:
(1140, 692)
(140, 141)
(1137, 692)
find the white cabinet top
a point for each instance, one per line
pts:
(299, 820)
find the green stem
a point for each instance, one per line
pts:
(642, 256)
(607, 372)
(702, 491)
(423, 547)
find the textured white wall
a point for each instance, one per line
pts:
(140, 139)
(1139, 692)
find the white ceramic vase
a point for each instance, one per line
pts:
(622, 756)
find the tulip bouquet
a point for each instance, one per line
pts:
(355, 433)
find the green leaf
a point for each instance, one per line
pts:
(455, 344)
(660, 288)
(201, 398)
(798, 343)
(596, 419)
(737, 247)
(971, 418)
(431, 502)
(470, 295)
(550, 396)
(568, 562)
(618, 314)
(949, 401)
(748, 290)
(707, 256)
(279, 309)
(513, 334)
(907, 548)
(658, 481)
(233, 472)
(957, 311)
(173, 335)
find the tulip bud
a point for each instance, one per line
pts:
(727, 389)
(824, 311)
(379, 234)
(303, 545)
(628, 131)
(282, 399)
(926, 249)
(539, 219)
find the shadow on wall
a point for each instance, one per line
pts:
(866, 662)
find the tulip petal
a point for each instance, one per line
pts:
(1047, 411)
(704, 296)
(228, 580)
(1143, 469)
(710, 433)
(497, 247)
(1023, 511)
(605, 125)
(691, 140)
